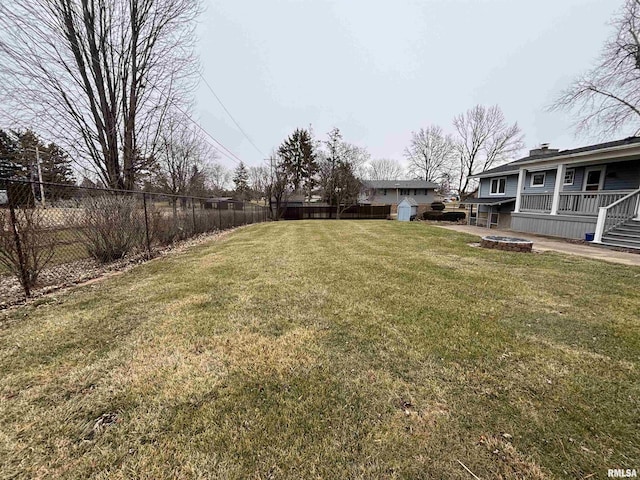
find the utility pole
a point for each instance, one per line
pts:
(40, 176)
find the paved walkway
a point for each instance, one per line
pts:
(544, 244)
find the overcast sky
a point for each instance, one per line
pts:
(380, 69)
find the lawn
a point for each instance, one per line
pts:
(329, 349)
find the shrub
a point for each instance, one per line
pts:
(437, 206)
(444, 216)
(113, 226)
(453, 216)
(35, 247)
(167, 227)
(432, 216)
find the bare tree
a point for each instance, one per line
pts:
(278, 186)
(99, 75)
(339, 176)
(484, 140)
(383, 169)
(258, 180)
(606, 99)
(431, 153)
(219, 177)
(182, 159)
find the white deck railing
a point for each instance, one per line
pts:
(571, 203)
(536, 202)
(587, 203)
(617, 213)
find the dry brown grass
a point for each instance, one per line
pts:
(328, 350)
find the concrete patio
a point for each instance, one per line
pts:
(545, 244)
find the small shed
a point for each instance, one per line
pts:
(407, 208)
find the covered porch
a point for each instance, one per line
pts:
(567, 199)
(489, 212)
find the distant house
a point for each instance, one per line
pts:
(392, 192)
(224, 203)
(569, 193)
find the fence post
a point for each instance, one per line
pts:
(193, 215)
(146, 223)
(219, 216)
(234, 213)
(16, 237)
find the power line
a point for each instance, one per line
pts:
(230, 116)
(226, 152)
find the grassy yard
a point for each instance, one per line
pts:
(329, 349)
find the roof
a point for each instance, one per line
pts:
(392, 184)
(513, 167)
(222, 199)
(489, 201)
(410, 201)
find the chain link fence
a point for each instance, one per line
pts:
(55, 234)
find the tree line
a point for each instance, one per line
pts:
(112, 80)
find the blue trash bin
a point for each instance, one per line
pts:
(589, 237)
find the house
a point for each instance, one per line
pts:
(407, 208)
(569, 193)
(392, 192)
(224, 203)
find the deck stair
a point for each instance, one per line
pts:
(626, 235)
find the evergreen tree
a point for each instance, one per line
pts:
(9, 150)
(20, 148)
(299, 160)
(241, 181)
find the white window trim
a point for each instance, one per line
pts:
(544, 179)
(603, 173)
(573, 176)
(498, 194)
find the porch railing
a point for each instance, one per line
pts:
(536, 202)
(587, 203)
(617, 213)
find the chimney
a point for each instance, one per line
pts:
(542, 150)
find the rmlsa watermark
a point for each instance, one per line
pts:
(622, 473)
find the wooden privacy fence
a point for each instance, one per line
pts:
(325, 212)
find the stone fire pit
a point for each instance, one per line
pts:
(509, 244)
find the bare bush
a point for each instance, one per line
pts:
(25, 246)
(113, 226)
(168, 227)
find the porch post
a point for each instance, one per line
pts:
(522, 174)
(558, 188)
(602, 219)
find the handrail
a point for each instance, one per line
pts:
(635, 192)
(619, 217)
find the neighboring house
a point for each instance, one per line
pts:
(223, 203)
(392, 192)
(568, 193)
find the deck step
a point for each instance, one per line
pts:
(626, 230)
(620, 234)
(621, 241)
(613, 243)
(626, 235)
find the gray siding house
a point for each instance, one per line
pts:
(569, 193)
(392, 192)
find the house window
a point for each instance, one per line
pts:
(537, 179)
(594, 179)
(498, 186)
(569, 176)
